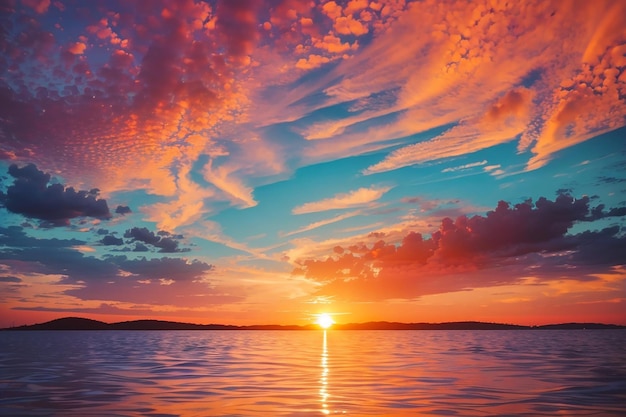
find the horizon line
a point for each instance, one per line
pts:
(382, 325)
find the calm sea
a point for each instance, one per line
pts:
(313, 373)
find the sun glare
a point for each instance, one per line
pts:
(325, 321)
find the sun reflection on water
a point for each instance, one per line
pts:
(324, 377)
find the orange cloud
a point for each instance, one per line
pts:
(313, 61)
(356, 198)
(550, 99)
(502, 122)
(77, 48)
(332, 44)
(354, 6)
(332, 9)
(350, 26)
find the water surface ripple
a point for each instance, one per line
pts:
(313, 373)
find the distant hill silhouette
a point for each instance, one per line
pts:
(459, 325)
(68, 323)
(77, 323)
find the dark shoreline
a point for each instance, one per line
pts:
(77, 323)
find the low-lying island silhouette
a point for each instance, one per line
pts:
(78, 323)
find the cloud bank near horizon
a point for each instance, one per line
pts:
(503, 247)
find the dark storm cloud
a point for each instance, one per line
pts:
(165, 241)
(123, 210)
(30, 195)
(142, 234)
(603, 247)
(51, 256)
(140, 247)
(510, 228)
(10, 279)
(58, 256)
(110, 240)
(525, 239)
(155, 281)
(15, 237)
(115, 278)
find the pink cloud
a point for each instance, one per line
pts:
(471, 252)
(40, 6)
(237, 23)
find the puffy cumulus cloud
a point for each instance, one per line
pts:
(31, 195)
(354, 6)
(333, 44)
(350, 26)
(332, 9)
(123, 210)
(356, 198)
(162, 240)
(142, 234)
(110, 240)
(316, 33)
(77, 48)
(502, 247)
(312, 61)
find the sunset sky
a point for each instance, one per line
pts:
(250, 162)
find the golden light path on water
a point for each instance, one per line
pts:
(324, 376)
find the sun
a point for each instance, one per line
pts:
(325, 320)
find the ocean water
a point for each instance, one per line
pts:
(313, 373)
